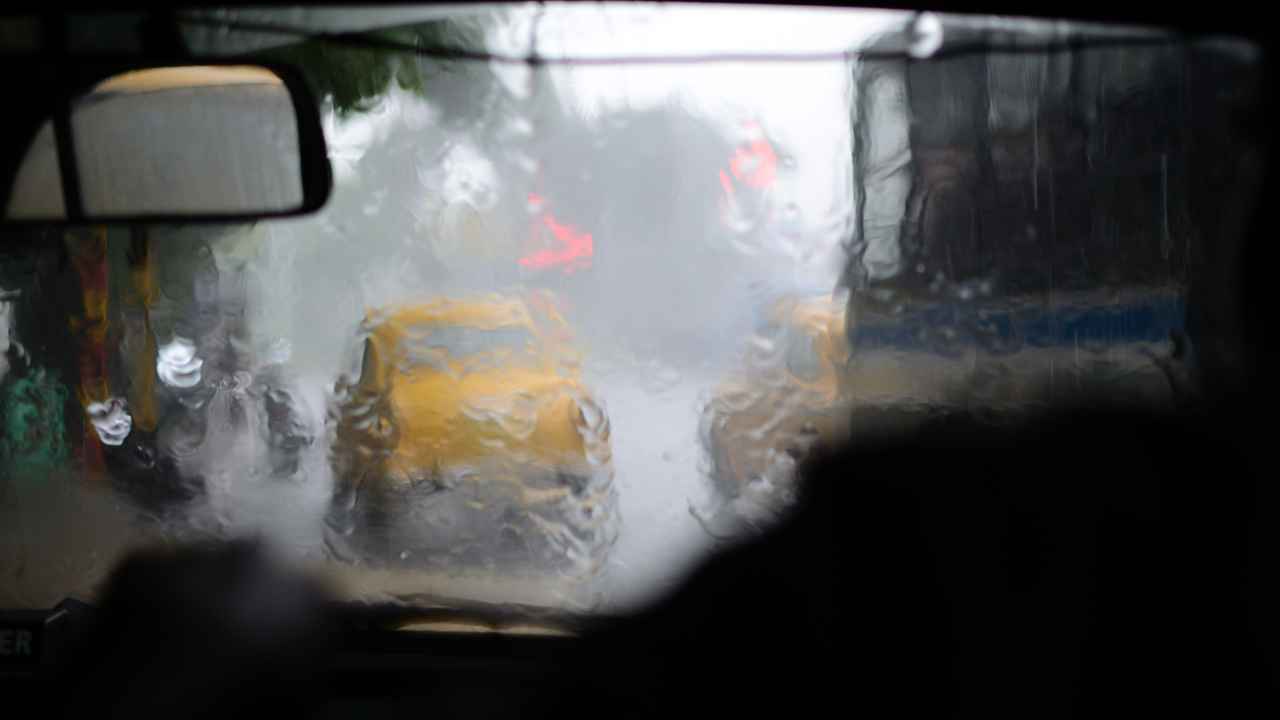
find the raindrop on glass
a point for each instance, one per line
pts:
(925, 35)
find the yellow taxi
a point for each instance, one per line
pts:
(789, 396)
(468, 438)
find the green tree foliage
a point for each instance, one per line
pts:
(357, 77)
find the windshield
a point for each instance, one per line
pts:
(468, 341)
(802, 357)
(1011, 212)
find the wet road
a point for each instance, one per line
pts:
(660, 471)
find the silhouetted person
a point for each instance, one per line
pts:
(1082, 563)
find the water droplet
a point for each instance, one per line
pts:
(528, 163)
(177, 364)
(520, 126)
(762, 344)
(110, 420)
(592, 415)
(740, 222)
(925, 35)
(279, 352)
(145, 456)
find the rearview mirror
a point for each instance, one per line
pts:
(184, 143)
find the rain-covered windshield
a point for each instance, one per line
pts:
(467, 349)
(467, 342)
(802, 357)
(1003, 214)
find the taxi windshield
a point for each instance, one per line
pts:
(981, 212)
(461, 342)
(802, 357)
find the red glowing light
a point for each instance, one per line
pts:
(756, 164)
(726, 184)
(574, 251)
